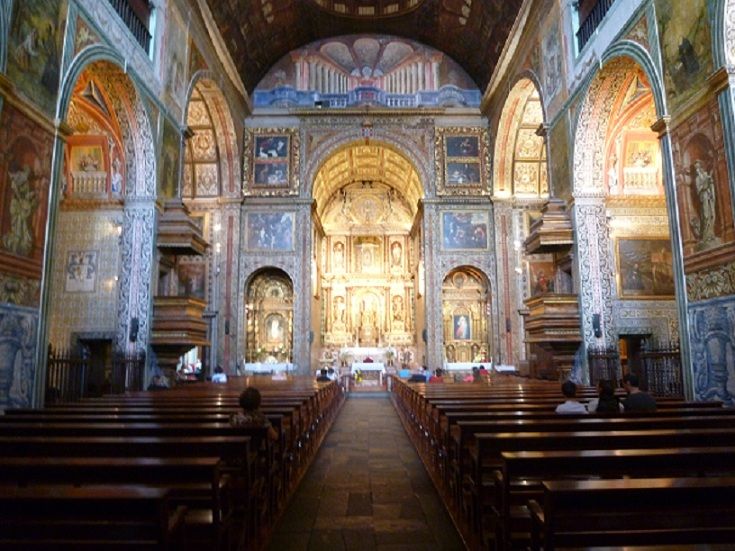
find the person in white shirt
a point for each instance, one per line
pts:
(219, 375)
(571, 406)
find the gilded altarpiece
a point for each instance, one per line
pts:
(269, 323)
(464, 316)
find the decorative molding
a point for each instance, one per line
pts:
(707, 284)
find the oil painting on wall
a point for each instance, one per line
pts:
(461, 161)
(192, 279)
(270, 231)
(645, 268)
(464, 230)
(541, 278)
(461, 327)
(270, 169)
(176, 77)
(25, 159)
(686, 46)
(34, 49)
(168, 177)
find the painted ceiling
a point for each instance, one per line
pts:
(258, 33)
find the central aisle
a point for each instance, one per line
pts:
(367, 489)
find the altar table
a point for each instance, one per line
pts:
(369, 366)
(467, 366)
(261, 367)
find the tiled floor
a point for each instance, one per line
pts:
(366, 490)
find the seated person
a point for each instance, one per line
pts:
(219, 375)
(157, 383)
(438, 376)
(251, 416)
(637, 400)
(606, 402)
(572, 405)
(323, 377)
(332, 374)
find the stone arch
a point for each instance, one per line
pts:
(609, 91)
(137, 241)
(269, 315)
(466, 301)
(400, 144)
(204, 88)
(519, 109)
(592, 124)
(723, 34)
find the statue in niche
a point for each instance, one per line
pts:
(704, 185)
(338, 312)
(338, 253)
(398, 314)
(396, 254)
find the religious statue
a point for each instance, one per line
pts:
(395, 254)
(338, 312)
(19, 239)
(338, 253)
(397, 308)
(705, 187)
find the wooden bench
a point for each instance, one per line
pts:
(649, 511)
(93, 517)
(523, 472)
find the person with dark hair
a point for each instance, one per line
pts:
(571, 405)
(606, 402)
(438, 376)
(323, 376)
(219, 375)
(637, 400)
(251, 416)
(332, 374)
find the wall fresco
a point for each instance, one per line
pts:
(34, 49)
(366, 70)
(25, 173)
(686, 47)
(168, 177)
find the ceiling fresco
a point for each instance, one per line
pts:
(258, 33)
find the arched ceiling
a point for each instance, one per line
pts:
(259, 32)
(363, 170)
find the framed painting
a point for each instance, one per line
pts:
(192, 279)
(81, 272)
(645, 268)
(88, 165)
(541, 278)
(270, 231)
(462, 161)
(461, 327)
(464, 230)
(271, 162)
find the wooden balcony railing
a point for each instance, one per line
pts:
(592, 21)
(133, 21)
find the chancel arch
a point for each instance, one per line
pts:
(366, 243)
(626, 267)
(269, 317)
(465, 322)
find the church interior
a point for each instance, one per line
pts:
(265, 188)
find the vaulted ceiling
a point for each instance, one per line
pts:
(259, 32)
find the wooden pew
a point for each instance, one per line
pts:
(93, 517)
(649, 511)
(523, 472)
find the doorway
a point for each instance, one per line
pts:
(98, 353)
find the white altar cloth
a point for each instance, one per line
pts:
(261, 367)
(370, 366)
(466, 366)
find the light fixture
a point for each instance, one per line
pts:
(217, 227)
